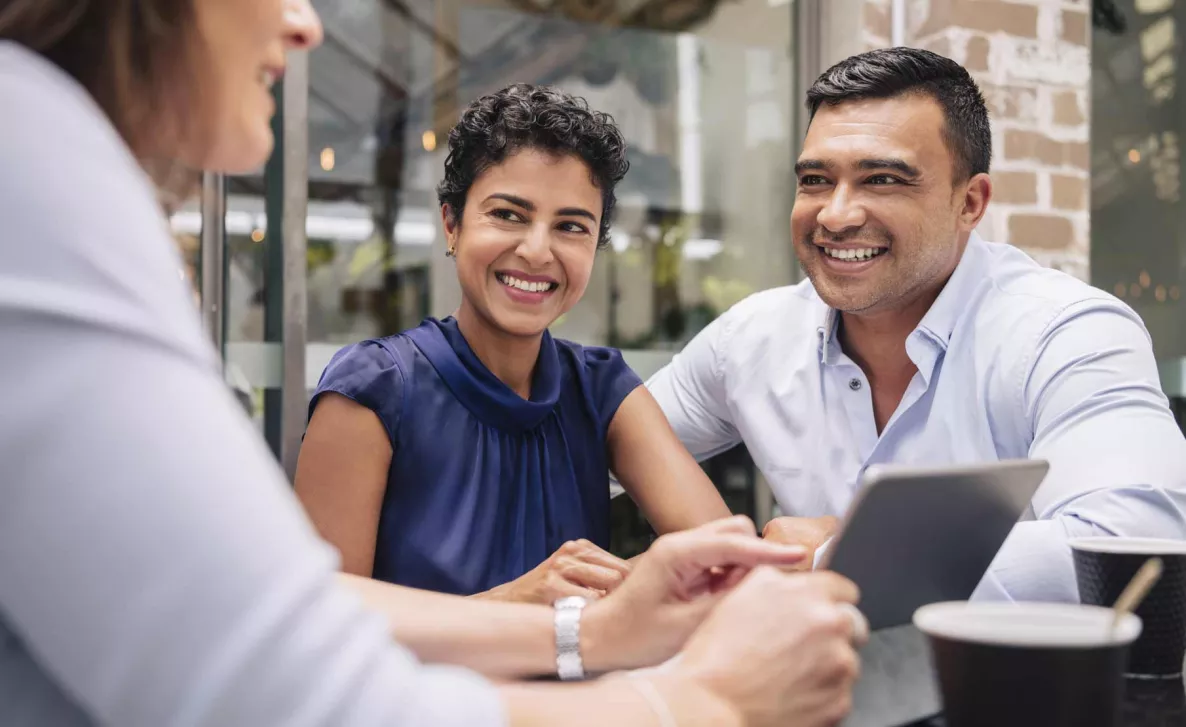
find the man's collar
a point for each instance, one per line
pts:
(940, 319)
(953, 300)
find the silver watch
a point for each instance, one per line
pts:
(569, 666)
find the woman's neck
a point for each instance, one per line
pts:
(511, 358)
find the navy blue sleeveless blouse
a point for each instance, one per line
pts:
(483, 484)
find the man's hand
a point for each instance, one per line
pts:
(577, 568)
(672, 588)
(809, 532)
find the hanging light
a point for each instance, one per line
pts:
(327, 159)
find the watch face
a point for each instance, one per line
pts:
(570, 602)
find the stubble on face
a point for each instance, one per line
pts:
(877, 174)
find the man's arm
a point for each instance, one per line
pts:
(1117, 458)
(691, 392)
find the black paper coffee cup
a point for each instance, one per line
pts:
(1028, 664)
(1104, 566)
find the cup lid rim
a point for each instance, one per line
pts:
(1129, 546)
(935, 620)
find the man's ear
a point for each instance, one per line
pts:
(977, 195)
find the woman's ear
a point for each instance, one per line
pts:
(448, 219)
(450, 223)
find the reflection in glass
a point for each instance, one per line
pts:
(701, 89)
(1138, 225)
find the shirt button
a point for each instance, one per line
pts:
(854, 384)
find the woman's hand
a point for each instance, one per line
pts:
(673, 587)
(780, 649)
(577, 568)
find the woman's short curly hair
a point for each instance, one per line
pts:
(523, 116)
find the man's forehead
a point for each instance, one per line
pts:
(905, 127)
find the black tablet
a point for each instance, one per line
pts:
(915, 536)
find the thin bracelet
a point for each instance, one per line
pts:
(654, 699)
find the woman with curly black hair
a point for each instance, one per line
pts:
(503, 490)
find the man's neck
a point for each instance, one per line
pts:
(511, 358)
(876, 341)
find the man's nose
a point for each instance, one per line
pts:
(841, 212)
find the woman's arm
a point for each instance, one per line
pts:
(776, 646)
(341, 478)
(342, 475)
(617, 702)
(676, 583)
(657, 471)
(500, 640)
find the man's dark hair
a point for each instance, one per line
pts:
(523, 116)
(891, 72)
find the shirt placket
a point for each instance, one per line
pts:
(852, 388)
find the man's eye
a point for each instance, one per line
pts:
(882, 179)
(808, 180)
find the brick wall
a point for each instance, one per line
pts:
(1032, 60)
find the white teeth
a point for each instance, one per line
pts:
(862, 253)
(267, 78)
(530, 287)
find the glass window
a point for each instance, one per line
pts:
(703, 91)
(1138, 222)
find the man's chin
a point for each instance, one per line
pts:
(843, 298)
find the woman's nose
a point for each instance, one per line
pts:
(536, 247)
(302, 26)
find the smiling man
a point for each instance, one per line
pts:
(914, 341)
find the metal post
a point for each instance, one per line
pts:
(897, 23)
(808, 59)
(211, 268)
(809, 55)
(294, 397)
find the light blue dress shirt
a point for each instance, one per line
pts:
(1014, 360)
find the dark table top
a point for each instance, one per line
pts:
(1146, 704)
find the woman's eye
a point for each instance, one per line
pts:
(574, 227)
(508, 215)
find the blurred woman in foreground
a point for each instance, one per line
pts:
(156, 570)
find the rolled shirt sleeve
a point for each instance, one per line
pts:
(692, 394)
(1091, 397)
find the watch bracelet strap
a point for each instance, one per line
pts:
(569, 665)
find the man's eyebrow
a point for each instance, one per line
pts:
(889, 163)
(804, 165)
